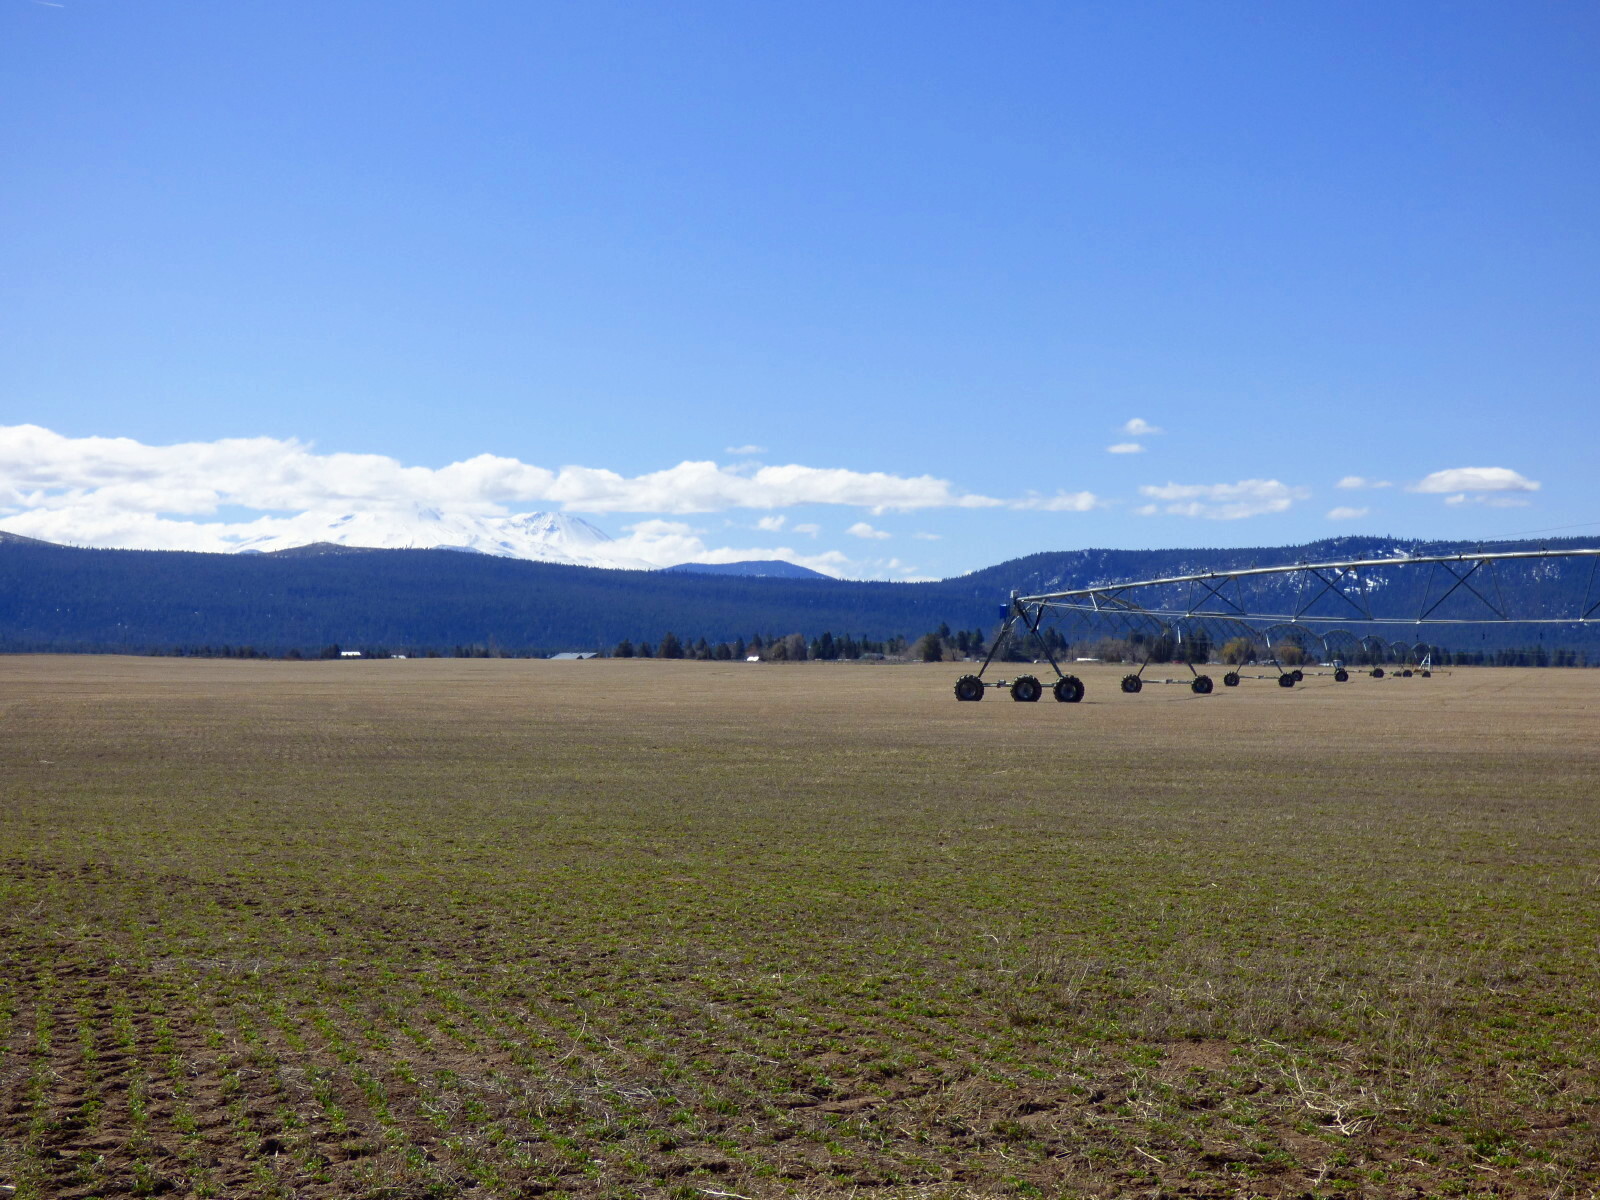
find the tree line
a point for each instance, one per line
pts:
(939, 645)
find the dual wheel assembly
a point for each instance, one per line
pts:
(1024, 688)
(1200, 685)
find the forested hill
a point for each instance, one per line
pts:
(1063, 570)
(64, 598)
(54, 597)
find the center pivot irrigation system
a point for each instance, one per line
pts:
(1329, 613)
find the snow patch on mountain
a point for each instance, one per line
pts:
(537, 536)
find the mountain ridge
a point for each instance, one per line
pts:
(762, 568)
(303, 598)
(532, 536)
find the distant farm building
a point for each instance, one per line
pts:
(573, 654)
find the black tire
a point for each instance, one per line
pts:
(1377, 672)
(1026, 688)
(1231, 679)
(1131, 684)
(1299, 675)
(1405, 674)
(969, 687)
(1341, 676)
(1068, 689)
(1200, 685)
(1285, 681)
(1427, 674)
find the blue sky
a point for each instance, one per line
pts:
(935, 258)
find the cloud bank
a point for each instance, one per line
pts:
(1221, 501)
(667, 543)
(40, 469)
(119, 492)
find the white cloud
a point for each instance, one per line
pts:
(1361, 481)
(745, 451)
(1223, 501)
(1060, 502)
(692, 487)
(1492, 499)
(1344, 513)
(667, 543)
(927, 537)
(902, 572)
(1125, 448)
(808, 529)
(862, 530)
(1139, 427)
(109, 481)
(772, 524)
(1475, 479)
(89, 526)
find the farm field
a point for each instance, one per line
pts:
(501, 928)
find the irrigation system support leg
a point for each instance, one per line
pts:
(1015, 613)
(1032, 624)
(994, 648)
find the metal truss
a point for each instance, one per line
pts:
(1278, 605)
(1347, 582)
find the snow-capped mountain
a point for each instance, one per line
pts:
(540, 536)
